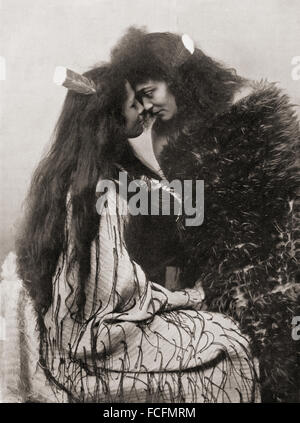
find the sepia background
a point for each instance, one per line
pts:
(257, 37)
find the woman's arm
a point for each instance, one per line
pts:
(187, 298)
(123, 288)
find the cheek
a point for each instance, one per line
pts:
(156, 100)
(167, 99)
(130, 118)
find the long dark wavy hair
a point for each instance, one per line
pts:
(88, 139)
(202, 86)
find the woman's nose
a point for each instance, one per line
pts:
(140, 108)
(147, 103)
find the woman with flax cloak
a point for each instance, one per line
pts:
(109, 333)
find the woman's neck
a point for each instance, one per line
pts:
(158, 142)
(160, 134)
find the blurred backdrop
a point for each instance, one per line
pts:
(257, 37)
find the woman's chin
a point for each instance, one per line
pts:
(136, 132)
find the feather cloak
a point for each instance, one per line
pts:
(246, 252)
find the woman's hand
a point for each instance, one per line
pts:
(189, 298)
(196, 296)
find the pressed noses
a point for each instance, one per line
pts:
(147, 103)
(140, 107)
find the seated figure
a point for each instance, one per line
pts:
(90, 325)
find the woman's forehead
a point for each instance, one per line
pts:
(130, 92)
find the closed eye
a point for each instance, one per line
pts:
(148, 93)
(134, 104)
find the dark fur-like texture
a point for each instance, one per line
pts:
(246, 252)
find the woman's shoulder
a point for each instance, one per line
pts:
(263, 96)
(262, 107)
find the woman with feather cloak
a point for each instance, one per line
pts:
(242, 138)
